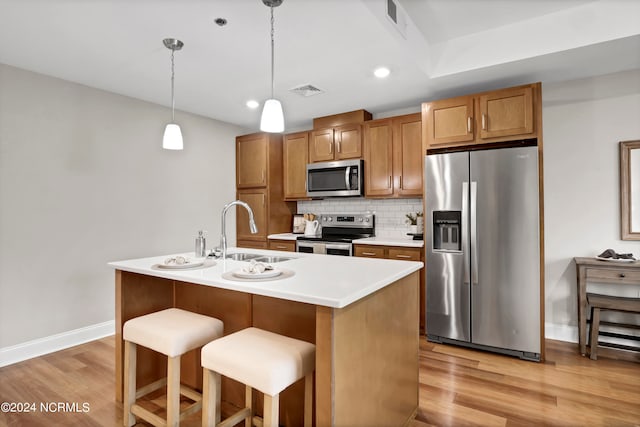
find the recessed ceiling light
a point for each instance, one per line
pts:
(221, 22)
(381, 72)
(253, 104)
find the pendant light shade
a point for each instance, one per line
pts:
(172, 139)
(272, 119)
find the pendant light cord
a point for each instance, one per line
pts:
(173, 101)
(272, 56)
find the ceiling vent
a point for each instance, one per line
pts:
(396, 15)
(306, 90)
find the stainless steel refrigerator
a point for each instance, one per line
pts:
(482, 247)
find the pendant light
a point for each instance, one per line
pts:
(272, 119)
(172, 139)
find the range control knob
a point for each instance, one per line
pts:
(360, 219)
(324, 218)
(366, 220)
(329, 219)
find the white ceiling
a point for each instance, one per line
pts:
(449, 47)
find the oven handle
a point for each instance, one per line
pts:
(339, 246)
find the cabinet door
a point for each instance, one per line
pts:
(448, 122)
(407, 155)
(369, 251)
(321, 145)
(296, 153)
(257, 200)
(378, 154)
(348, 142)
(251, 161)
(506, 112)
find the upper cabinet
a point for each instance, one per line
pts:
(341, 142)
(295, 159)
(251, 160)
(337, 137)
(496, 116)
(393, 157)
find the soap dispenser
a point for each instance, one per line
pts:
(201, 245)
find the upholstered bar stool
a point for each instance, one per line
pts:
(259, 359)
(172, 332)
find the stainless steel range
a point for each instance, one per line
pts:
(338, 231)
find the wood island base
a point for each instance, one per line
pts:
(366, 353)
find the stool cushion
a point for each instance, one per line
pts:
(263, 360)
(172, 331)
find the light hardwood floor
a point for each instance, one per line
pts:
(458, 387)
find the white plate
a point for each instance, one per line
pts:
(264, 275)
(616, 260)
(190, 264)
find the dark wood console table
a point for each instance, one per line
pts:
(595, 270)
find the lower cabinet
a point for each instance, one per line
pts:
(403, 253)
(282, 245)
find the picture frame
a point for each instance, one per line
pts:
(298, 224)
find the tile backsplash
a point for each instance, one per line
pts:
(390, 213)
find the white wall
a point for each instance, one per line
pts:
(584, 121)
(84, 181)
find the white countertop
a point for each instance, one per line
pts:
(385, 241)
(327, 280)
(284, 236)
(390, 241)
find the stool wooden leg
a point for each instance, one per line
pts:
(595, 326)
(173, 391)
(308, 400)
(248, 403)
(129, 382)
(271, 409)
(210, 398)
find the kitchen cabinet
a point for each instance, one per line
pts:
(282, 245)
(403, 253)
(336, 143)
(259, 182)
(496, 116)
(251, 161)
(296, 157)
(393, 157)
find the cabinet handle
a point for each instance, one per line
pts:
(369, 253)
(263, 199)
(403, 256)
(401, 182)
(262, 175)
(468, 124)
(281, 247)
(623, 275)
(389, 182)
(330, 148)
(484, 121)
(338, 146)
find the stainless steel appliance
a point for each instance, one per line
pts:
(483, 250)
(338, 231)
(335, 179)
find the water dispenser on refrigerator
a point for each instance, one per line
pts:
(446, 230)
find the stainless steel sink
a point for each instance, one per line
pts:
(272, 259)
(240, 256)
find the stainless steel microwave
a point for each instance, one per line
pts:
(342, 178)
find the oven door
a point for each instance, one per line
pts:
(329, 248)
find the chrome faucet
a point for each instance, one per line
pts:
(223, 229)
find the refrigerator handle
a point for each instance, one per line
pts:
(474, 232)
(465, 230)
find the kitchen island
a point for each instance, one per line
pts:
(362, 315)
